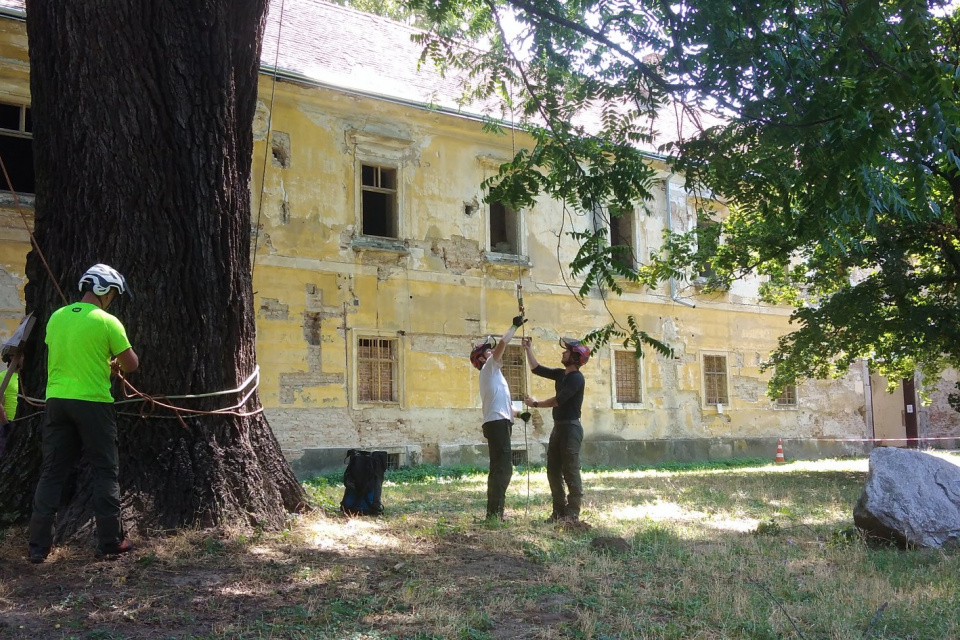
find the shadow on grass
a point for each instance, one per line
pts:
(430, 568)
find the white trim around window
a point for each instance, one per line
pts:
(626, 379)
(356, 335)
(385, 155)
(714, 378)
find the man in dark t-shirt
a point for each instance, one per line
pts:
(563, 452)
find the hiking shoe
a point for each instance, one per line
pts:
(37, 554)
(124, 546)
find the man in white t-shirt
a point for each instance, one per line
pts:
(498, 414)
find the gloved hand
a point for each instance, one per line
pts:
(525, 416)
(518, 321)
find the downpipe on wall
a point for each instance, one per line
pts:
(673, 280)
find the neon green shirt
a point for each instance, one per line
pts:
(10, 396)
(81, 340)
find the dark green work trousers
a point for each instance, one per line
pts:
(563, 466)
(497, 433)
(72, 427)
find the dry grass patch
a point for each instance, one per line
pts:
(757, 552)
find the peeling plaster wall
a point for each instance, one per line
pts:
(937, 419)
(435, 290)
(14, 238)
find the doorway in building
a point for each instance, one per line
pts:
(894, 413)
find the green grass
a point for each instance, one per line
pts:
(738, 549)
(743, 549)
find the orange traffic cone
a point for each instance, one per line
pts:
(779, 459)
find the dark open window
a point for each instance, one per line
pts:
(378, 186)
(504, 229)
(708, 239)
(16, 148)
(622, 236)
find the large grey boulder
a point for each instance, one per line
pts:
(911, 498)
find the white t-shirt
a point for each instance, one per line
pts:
(495, 392)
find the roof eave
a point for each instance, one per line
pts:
(13, 14)
(293, 76)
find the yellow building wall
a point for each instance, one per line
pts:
(436, 294)
(319, 287)
(14, 238)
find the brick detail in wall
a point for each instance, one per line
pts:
(291, 384)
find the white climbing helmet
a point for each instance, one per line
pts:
(101, 278)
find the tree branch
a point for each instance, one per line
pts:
(644, 68)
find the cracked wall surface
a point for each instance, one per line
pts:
(436, 289)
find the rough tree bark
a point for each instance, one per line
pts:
(143, 141)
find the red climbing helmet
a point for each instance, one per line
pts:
(479, 349)
(581, 352)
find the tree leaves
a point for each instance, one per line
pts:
(837, 155)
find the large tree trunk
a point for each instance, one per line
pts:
(143, 142)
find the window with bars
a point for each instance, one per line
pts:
(376, 370)
(16, 147)
(378, 195)
(518, 457)
(515, 371)
(626, 371)
(788, 397)
(715, 379)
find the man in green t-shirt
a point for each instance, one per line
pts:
(14, 364)
(9, 399)
(84, 343)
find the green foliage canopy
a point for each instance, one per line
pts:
(836, 151)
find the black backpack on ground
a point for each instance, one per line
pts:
(363, 482)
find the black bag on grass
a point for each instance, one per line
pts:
(363, 482)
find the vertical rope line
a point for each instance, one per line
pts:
(266, 146)
(33, 239)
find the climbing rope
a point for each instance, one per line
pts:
(130, 391)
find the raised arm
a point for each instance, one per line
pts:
(507, 337)
(531, 359)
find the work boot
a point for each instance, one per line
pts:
(115, 548)
(40, 534)
(110, 537)
(37, 554)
